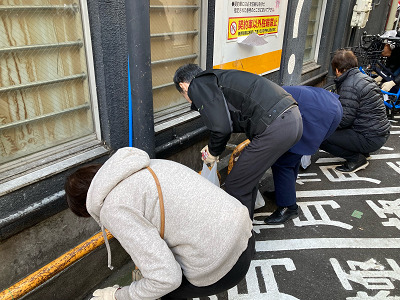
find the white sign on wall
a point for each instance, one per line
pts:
(245, 17)
(249, 35)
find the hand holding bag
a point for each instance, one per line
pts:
(210, 175)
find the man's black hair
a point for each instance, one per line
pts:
(344, 60)
(186, 73)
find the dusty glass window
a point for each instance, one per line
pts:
(175, 40)
(44, 86)
(313, 32)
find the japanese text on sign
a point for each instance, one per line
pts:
(251, 7)
(244, 26)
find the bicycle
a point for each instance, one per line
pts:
(368, 54)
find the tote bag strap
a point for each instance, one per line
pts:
(136, 274)
(160, 198)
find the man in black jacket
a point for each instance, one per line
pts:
(237, 101)
(392, 79)
(364, 127)
(389, 74)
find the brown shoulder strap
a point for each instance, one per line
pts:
(160, 197)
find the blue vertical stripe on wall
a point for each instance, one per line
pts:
(130, 107)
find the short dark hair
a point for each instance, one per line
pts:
(76, 188)
(344, 60)
(186, 73)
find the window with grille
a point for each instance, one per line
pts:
(45, 98)
(314, 27)
(175, 40)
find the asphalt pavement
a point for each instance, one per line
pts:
(345, 244)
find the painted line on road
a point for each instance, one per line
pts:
(373, 157)
(328, 243)
(348, 192)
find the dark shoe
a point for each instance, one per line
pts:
(353, 166)
(281, 215)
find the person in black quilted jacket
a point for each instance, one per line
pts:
(364, 127)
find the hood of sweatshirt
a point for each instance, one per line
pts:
(121, 165)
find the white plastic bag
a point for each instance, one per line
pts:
(210, 175)
(260, 202)
(305, 161)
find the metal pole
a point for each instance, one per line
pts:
(210, 34)
(342, 24)
(340, 32)
(138, 37)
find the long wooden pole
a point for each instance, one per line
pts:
(35, 279)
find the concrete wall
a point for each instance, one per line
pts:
(81, 279)
(110, 53)
(24, 253)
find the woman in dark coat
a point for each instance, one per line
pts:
(364, 127)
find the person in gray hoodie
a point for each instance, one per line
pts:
(208, 239)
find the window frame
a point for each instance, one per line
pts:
(37, 166)
(320, 28)
(90, 68)
(312, 63)
(181, 113)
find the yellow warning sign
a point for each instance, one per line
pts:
(243, 26)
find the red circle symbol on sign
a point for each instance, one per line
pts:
(233, 28)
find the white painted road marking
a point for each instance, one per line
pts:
(301, 181)
(336, 176)
(328, 243)
(326, 160)
(324, 218)
(348, 192)
(394, 167)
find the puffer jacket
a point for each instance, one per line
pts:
(362, 102)
(236, 101)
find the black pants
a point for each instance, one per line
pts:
(348, 144)
(260, 154)
(232, 278)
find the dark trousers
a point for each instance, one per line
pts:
(350, 145)
(260, 154)
(285, 171)
(232, 278)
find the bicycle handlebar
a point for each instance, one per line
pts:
(390, 94)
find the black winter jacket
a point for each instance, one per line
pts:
(362, 102)
(236, 101)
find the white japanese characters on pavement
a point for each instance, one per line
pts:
(377, 278)
(371, 274)
(388, 208)
(325, 220)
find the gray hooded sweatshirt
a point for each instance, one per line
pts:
(206, 230)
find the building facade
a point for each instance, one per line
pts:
(81, 79)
